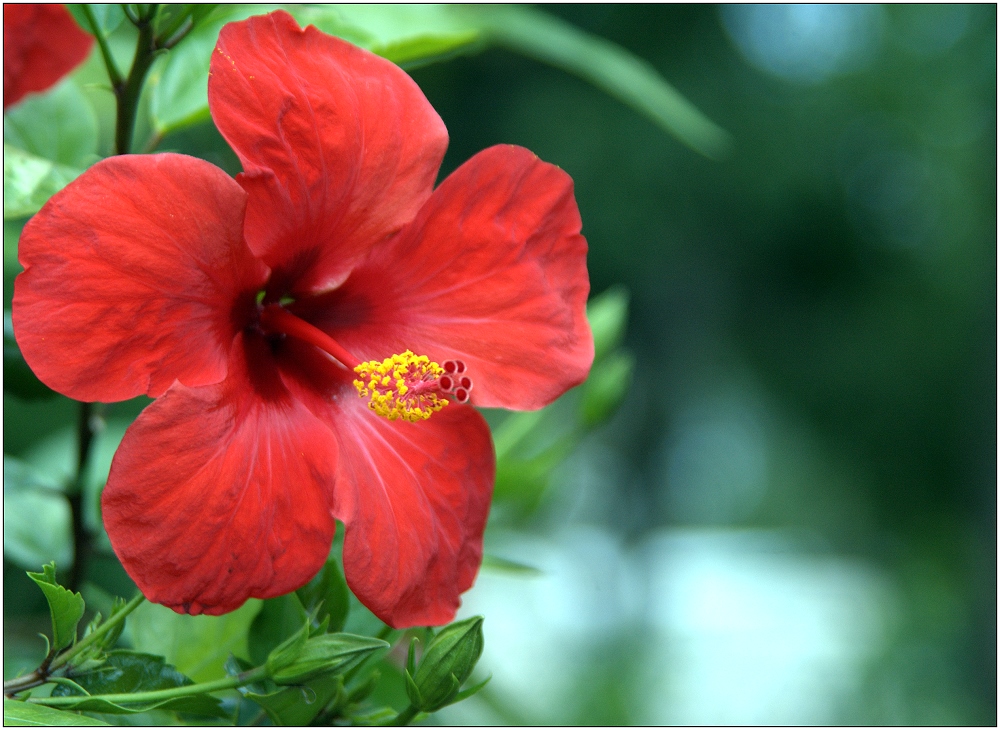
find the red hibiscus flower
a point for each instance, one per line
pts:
(275, 319)
(41, 44)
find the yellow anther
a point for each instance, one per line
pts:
(402, 386)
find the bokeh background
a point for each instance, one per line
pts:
(792, 516)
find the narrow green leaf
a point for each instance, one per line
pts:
(23, 714)
(17, 376)
(407, 35)
(503, 565)
(65, 606)
(59, 125)
(607, 314)
(606, 387)
(37, 522)
(327, 594)
(197, 646)
(29, 181)
(126, 672)
(629, 79)
(278, 619)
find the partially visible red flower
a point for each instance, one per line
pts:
(41, 44)
(256, 311)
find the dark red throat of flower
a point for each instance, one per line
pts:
(406, 386)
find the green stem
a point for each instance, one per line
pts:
(128, 93)
(159, 695)
(97, 633)
(109, 62)
(87, 427)
(404, 717)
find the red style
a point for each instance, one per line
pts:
(41, 44)
(255, 310)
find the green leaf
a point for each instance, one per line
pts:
(407, 35)
(608, 316)
(29, 181)
(127, 672)
(197, 645)
(37, 523)
(297, 706)
(24, 714)
(278, 619)
(629, 79)
(108, 17)
(175, 19)
(178, 87)
(606, 387)
(65, 606)
(17, 376)
(59, 125)
(503, 565)
(327, 594)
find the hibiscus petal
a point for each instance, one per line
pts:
(136, 275)
(414, 498)
(339, 147)
(493, 271)
(41, 44)
(221, 493)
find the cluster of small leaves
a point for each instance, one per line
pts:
(302, 668)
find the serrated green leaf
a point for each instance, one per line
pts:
(17, 376)
(607, 314)
(127, 672)
(609, 67)
(37, 523)
(407, 35)
(327, 594)
(606, 387)
(278, 619)
(297, 706)
(23, 714)
(197, 645)
(59, 125)
(29, 181)
(65, 606)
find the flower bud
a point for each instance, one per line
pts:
(447, 662)
(323, 655)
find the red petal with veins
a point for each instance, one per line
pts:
(136, 275)
(339, 147)
(414, 497)
(222, 493)
(493, 271)
(41, 44)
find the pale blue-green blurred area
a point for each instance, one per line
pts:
(792, 519)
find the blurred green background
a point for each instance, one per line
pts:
(792, 518)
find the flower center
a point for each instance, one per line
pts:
(406, 386)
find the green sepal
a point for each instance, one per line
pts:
(65, 606)
(127, 672)
(279, 618)
(26, 714)
(324, 654)
(328, 595)
(287, 651)
(448, 661)
(468, 692)
(412, 690)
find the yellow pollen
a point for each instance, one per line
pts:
(402, 386)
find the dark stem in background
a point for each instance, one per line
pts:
(127, 93)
